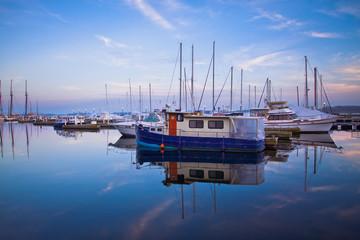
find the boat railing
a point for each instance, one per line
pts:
(315, 117)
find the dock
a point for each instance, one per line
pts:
(85, 127)
(347, 121)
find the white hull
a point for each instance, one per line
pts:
(315, 125)
(126, 129)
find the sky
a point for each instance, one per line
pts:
(83, 55)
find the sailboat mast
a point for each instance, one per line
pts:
(231, 91)
(192, 77)
(249, 96)
(180, 75)
(107, 103)
(130, 96)
(1, 107)
(241, 91)
(26, 97)
(140, 107)
(306, 85)
(150, 95)
(315, 89)
(213, 93)
(11, 99)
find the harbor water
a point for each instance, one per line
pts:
(96, 185)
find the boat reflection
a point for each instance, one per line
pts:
(323, 140)
(124, 143)
(209, 167)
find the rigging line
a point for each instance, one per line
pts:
(172, 78)
(274, 93)
(222, 87)
(207, 76)
(191, 97)
(262, 94)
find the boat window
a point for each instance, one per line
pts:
(159, 129)
(152, 129)
(180, 118)
(196, 173)
(216, 124)
(196, 124)
(294, 116)
(216, 175)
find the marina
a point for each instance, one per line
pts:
(100, 185)
(177, 119)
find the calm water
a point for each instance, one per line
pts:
(57, 185)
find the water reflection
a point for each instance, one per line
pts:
(210, 167)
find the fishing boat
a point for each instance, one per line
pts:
(195, 131)
(279, 115)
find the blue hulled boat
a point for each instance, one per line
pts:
(195, 131)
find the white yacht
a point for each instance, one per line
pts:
(127, 128)
(279, 115)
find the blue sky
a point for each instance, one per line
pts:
(68, 50)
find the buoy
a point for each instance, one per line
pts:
(162, 146)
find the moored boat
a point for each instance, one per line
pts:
(127, 128)
(278, 116)
(195, 131)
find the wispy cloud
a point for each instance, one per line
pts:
(324, 188)
(343, 8)
(243, 59)
(106, 40)
(323, 35)
(110, 43)
(281, 21)
(147, 219)
(58, 17)
(350, 8)
(151, 13)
